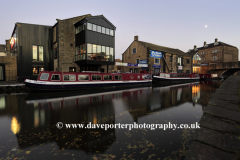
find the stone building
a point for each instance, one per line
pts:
(196, 60)
(173, 60)
(8, 65)
(83, 43)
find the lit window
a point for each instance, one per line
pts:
(34, 53)
(37, 53)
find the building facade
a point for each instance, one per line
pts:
(196, 60)
(31, 44)
(173, 60)
(84, 43)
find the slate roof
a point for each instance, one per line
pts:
(163, 49)
(192, 52)
(211, 45)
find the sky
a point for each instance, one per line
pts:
(171, 23)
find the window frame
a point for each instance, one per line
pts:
(108, 77)
(84, 75)
(96, 75)
(68, 77)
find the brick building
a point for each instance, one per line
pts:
(83, 43)
(173, 60)
(213, 53)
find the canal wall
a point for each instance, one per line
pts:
(219, 135)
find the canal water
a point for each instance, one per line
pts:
(28, 122)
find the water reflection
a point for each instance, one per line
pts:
(33, 118)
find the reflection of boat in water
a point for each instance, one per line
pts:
(49, 80)
(174, 78)
(208, 76)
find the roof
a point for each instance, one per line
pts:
(192, 52)
(211, 45)
(163, 49)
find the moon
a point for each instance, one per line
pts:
(205, 26)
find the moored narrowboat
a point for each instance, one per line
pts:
(208, 76)
(175, 78)
(59, 81)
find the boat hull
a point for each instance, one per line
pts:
(66, 86)
(163, 80)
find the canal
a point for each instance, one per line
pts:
(28, 122)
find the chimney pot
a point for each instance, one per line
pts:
(195, 46)
(204, 43)
(135, 38)
(216, 39)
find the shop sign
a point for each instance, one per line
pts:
(179, 67)
(121, 64)
(143, 61)
(130, 64)
(156, 66)
(155, 54)
(142, 65)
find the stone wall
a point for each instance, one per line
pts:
(10, 67)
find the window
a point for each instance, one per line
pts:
(134, 50)
(188, 61)
(55, 53)
(37, 69)
(137, 61)
(107, 31)
(55, 77)
(94, 27)
(37, 53)
(107, 77)
(99, 29)
(117, 77)
(83, 77)
(72, 69)
(179, 61)
(170, 60)
(111, 54)
(215, 58)
(103, 30)
(96, 77)
(203, 52)
(214, 51)
(69, 77)
(89, 26)
(203, 59)
(44, 76)
(157, 61)
(111, 32)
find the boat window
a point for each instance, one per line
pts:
(83, 77)
(55, 77)
(69, 77)
(44, 76)
(107, 77)
(138, 77)
(117, 77)
(171, 75)
(96, 77)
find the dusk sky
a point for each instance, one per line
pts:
(172, 23)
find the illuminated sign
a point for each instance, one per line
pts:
(12, 42)
(155, 54)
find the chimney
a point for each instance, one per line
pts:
(135, 38)
(216, 40)
(204, 43)
(195, 46)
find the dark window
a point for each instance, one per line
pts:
(96, 77)
(170, 60)
(55, 53)
(56, 77)
(134, 50)
(188, 61)
(117, 77)
(137, 61)
(107, 77)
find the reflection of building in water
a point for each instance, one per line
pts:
(38, 118)
(195, 93)
(159, 98)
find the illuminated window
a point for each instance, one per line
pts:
(37, 53)
(37, 69)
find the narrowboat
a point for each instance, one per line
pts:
(60, 81)
(175, 78)
(208, 76)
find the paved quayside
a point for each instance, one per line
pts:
(219, 135)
